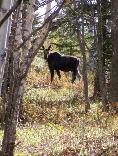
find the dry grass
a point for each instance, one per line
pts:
(55, 121)
(77, 133)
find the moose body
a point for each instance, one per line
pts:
(58, 62)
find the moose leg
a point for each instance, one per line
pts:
(74, 73)
(52, 75)
(58, 73)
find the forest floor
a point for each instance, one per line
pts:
(55, 123)
(78, 135)
(74, 134)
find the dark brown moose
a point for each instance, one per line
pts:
(58, 62)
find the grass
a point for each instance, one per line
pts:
(86, 134)
(61, 94)
(79, 133)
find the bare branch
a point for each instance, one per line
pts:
(50, 18)
(13, 8)
(46, 12)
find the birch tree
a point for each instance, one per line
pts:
(27, 22)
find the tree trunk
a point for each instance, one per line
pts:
(11, 93)
(11, 48)
(114, 69)
(100, 61)
(11, 117)
(27, 21)
(81, 40)
(96, 92)
(4, 32)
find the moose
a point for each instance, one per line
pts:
(58, 62)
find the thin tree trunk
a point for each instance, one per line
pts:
(81, 40)
(100, 62)
(28, 17)
(19, 40)
(114, 69)
(96, 92)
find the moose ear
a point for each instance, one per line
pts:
(49, 47)
(43, 48)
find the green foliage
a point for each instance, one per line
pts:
(64, 41)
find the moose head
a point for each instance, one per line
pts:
(46, 52)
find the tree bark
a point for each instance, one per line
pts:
(27, 21)
(96, 92)
(4, 32)
(81, 40)
(114, 68)
(100, 61)
(11, 118)
(11, 94)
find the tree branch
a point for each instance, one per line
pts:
(13, 8)
(50, 18)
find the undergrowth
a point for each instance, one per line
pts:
(54, 121)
